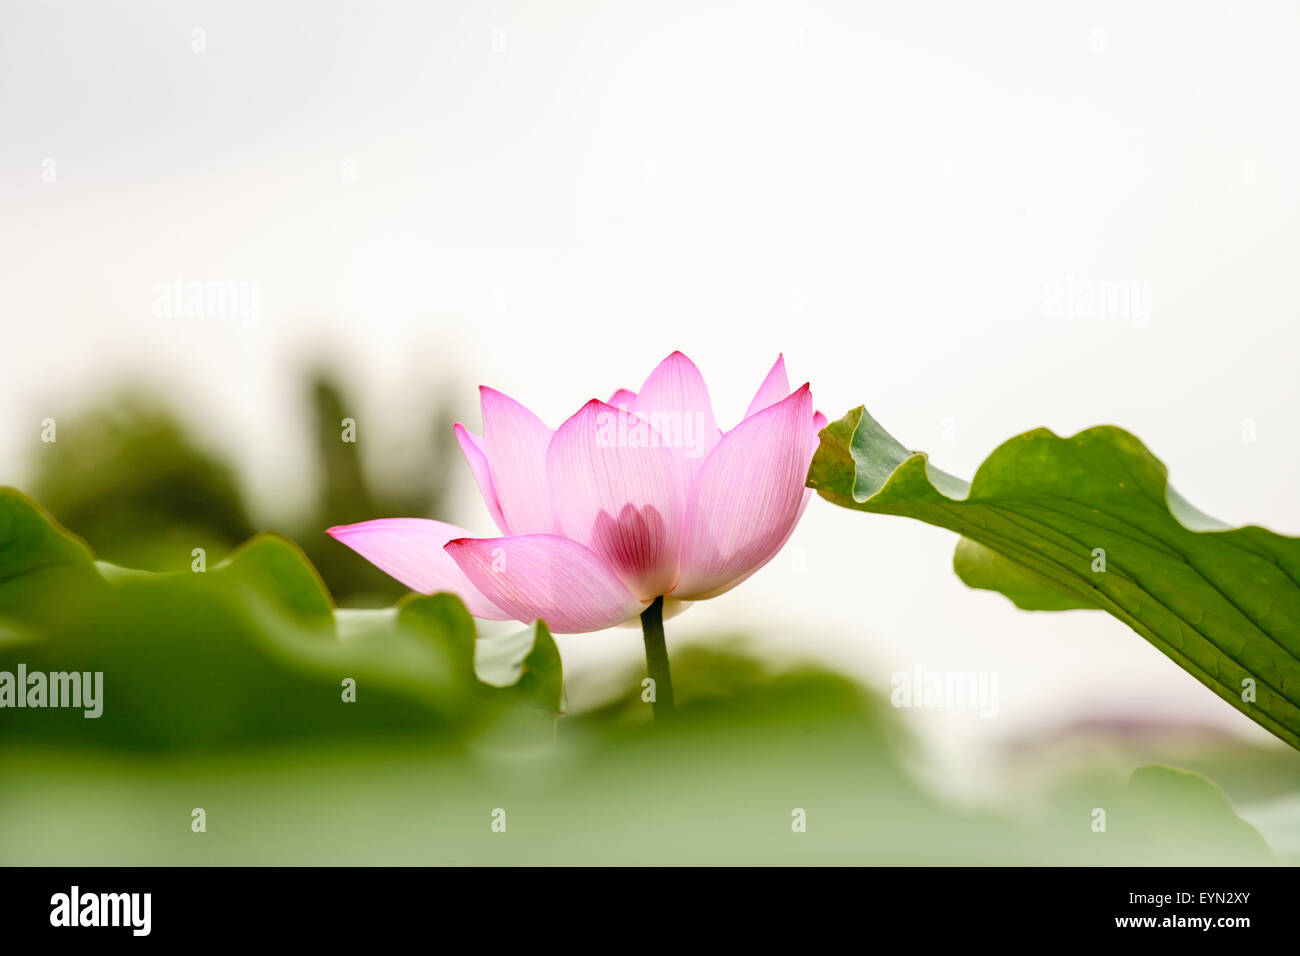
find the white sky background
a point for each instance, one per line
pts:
(550, 197)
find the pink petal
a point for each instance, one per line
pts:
(623, 397)
(472, 447)
(549, 577)
(747, 498)
(775, 387)
(675, 400)
(514, 442)
(618, 490)
(803, 504)
(411, 550)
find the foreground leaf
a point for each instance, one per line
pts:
(1091, 522)
(249, 651)
(40, 563)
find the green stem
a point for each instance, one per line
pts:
(656, 657)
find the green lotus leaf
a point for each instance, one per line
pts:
(1091, 521)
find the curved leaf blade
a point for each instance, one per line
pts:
(277, 568)
(1090, 521)
(40, 562)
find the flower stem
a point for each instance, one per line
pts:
(656, 657)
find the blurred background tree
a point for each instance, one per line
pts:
(348, 494)
(129, 477)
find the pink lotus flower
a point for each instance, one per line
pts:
(641, 497)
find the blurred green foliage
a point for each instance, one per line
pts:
(227, 690)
